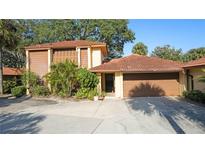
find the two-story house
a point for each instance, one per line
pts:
(84, 53)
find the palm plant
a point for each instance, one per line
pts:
(140, 48)
(62, 78)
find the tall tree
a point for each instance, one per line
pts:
(113, 32)
(168, 52)
(194, 54)
(8, 41)
(140, 48)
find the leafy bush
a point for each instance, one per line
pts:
(62, 94)
(87, 79)
(8, 85)
(40, 91)
(18, 91)
(65, 79)
(195, 95)
(62, 78)
(102, 93)
(86, 93)
(185, 93)
(87, 82)
(29, 79)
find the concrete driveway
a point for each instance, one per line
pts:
(139, 115)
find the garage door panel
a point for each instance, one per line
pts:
(139, 85)
(39, 62)
(151, 76)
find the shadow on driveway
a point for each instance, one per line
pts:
(170, 108)
(19, 123)
(7, 101)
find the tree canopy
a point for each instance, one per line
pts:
(168, 52)
(171, 53)
(8, 34)
(194, 54)
(113, 32)
(140, 48)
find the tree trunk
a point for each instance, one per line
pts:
(1, 74)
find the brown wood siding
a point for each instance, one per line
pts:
(63, 54)
(38, 62)
(84, 58)
(150, 84)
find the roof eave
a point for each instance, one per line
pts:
(152, 71)
(35, 49)
(137, 71)
(193, 66)
(98, 45)
(105, 52)
(104, 71)
(75, 46)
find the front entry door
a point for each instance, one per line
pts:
(109, 83)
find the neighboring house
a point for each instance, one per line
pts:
(129, 76)
(12, 73)
(195, 69)
(84, 53)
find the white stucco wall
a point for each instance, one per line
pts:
(99, 86)
(27, 60)
(119, 84)
(182, 82)
(96, 57)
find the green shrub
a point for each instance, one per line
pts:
(62, 94)
(86, 93)
(18, 91)
(195, 95)
(87, 82)
(102, 93)
(185, 94)
(40, 91)
(62, 78)
(29, 79)
(82, 93)
(87, 79)
(91, 94)
(8, 85)
(65, 79)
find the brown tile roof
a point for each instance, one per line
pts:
(66, 44)
(138, 63)
(198, 62)
(12, 71)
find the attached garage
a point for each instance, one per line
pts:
(141, 76)
(150, 84)
(39, 62)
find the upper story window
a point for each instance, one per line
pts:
(60, 55)
(84, 57)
